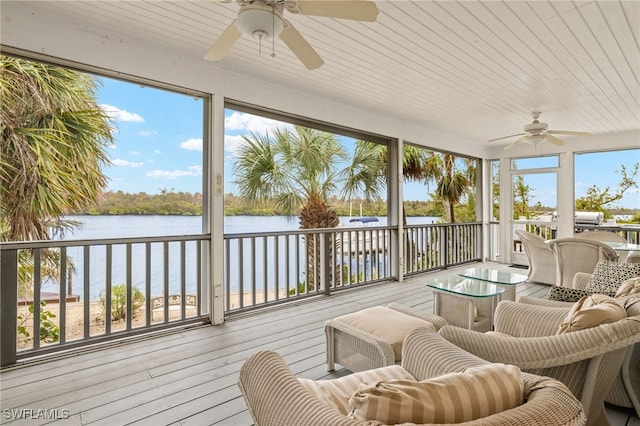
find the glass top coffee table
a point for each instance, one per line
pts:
(505, 279)
(465, 302)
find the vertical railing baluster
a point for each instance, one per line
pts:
(276, 263)
(253, 272)
(165, 283)
(265, 268)
(62, 314)
(107, 301)
(297, 275)
(129, 286)
(8, 306)
(86, 263)
(199, 277)
(227, 273)
(287, 257)
(37, 295)
(183, 281)
(241, 272)
(147, 284)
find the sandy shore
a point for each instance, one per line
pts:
(74, 316)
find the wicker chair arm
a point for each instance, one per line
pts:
(547, 351)
(524, 320)
(580, 280)
(275, 396)
(537, 301)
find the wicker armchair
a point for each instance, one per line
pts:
(587, 361)
(625, 391)
(542, 262)
(274, 395)
(575, 255)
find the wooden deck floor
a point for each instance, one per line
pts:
(189, 377)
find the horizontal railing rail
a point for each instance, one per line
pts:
(100, 289)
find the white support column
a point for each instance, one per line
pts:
(506, 210)
(566, 196)
(395, 206)
(216, 205)
(484, 204)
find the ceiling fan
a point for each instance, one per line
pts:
(264, 19)
(537, 132)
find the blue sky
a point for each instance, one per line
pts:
(158, 145)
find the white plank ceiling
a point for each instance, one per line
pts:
(479, 67)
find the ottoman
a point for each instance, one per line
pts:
(372, 338)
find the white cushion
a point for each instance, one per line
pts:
(452, 398)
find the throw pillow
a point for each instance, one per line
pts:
(629, 287)
(452, 398)
(592, 311)
(608, 276)
(566, 294)
(336, 392)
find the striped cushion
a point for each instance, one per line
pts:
(336, 392)
(453, 398)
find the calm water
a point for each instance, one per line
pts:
(96, 227)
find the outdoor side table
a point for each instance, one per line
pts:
(505, 279)
(465, 302)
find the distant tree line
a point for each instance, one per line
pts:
(166, 203)
(188, 204)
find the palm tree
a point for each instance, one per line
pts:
(295, 170)
(53, 143)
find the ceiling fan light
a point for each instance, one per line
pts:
(535, 139)
(260, 22)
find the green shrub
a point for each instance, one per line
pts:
(49, 330)
(119, 302)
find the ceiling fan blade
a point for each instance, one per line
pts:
(512, 144)
(554, 140)
(300, 47)
(506, 137)
(223, 43)
(344, 9)
(568, 132)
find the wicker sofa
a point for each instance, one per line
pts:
(275, 396)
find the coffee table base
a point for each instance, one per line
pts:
(460, 310)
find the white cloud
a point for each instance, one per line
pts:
(134, 153)
(157, 151)
(239, 121)
(232, 143)
(192, 144)
(173, 174)
(118, 114)
(147, 133)
(126, 163)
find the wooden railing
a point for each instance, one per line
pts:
(101, 289)
(105, 289)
